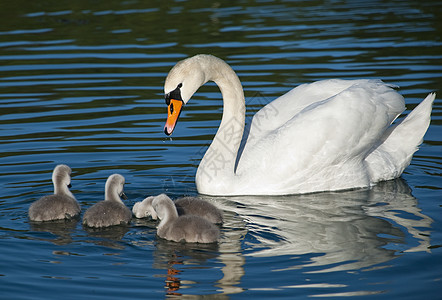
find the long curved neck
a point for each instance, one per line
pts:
(111, 194)
(167, 213)
(218, 164)
(60, 188)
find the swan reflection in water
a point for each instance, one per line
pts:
(349, 230)
(336, 231)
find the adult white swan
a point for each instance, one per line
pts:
(327, 135)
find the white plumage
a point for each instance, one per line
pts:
(327, 135)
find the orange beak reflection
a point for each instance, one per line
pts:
(173, 112)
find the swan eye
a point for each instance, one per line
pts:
(175, 94)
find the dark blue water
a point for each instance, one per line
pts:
(81, 83)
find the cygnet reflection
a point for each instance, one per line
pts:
(184, 206)
(185, 228)
(62, 204)
(60, 230)
(112, 210)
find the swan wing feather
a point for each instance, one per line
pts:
(332, 134)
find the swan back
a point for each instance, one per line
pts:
(186, 228)
(62, 204)
(324, 144)
(112, 210)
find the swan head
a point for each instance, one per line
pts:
(61, 178)
(114, 187)
(181, 83)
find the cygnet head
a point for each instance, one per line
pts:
(114, 188)
(61, 178)
(144, 208)
(164, 207)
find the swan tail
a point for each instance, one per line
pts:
(395, 151)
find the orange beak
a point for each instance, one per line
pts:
(173, 113)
